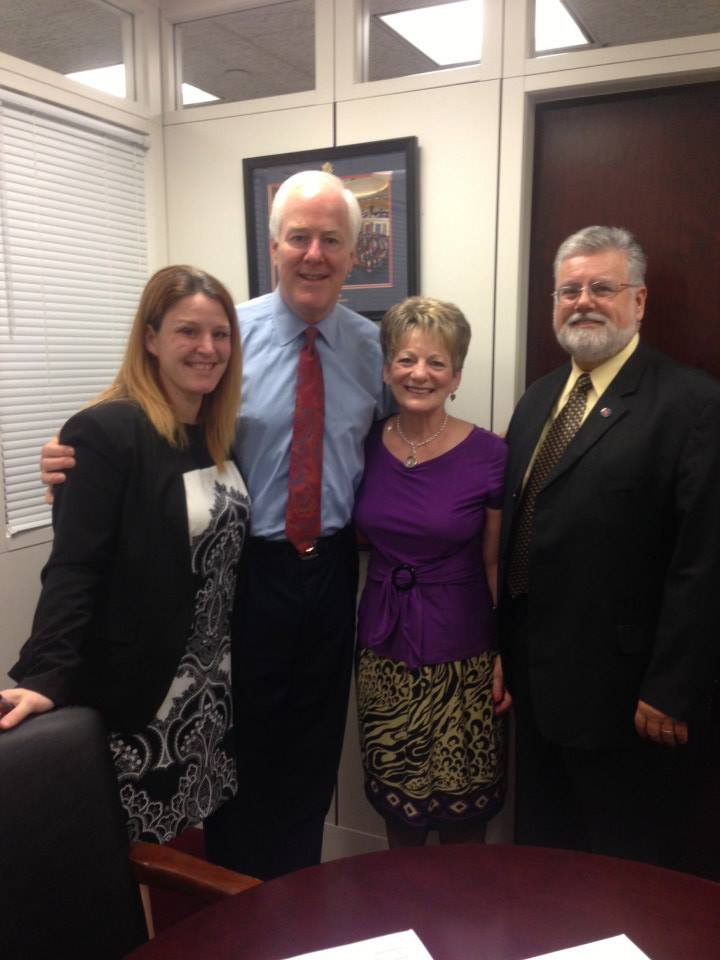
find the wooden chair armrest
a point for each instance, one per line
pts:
(160, 866)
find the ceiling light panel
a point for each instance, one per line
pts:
(555, 28)
(449, 33)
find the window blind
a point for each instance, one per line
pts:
(72, 265)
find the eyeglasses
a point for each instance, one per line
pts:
(597, 289)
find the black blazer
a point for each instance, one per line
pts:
(624, 598)
(117, 596)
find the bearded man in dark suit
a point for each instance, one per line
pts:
(610, 567)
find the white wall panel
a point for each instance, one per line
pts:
(458, 131)
(204, 178)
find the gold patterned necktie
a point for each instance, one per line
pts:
(563, 428)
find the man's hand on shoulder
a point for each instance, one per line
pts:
(54, 458)
(660, 727)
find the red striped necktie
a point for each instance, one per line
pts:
(302, 518)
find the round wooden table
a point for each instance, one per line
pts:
(464, 902)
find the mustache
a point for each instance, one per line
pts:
(578, 317)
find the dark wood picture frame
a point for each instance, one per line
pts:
(383, 175)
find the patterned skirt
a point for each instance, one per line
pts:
(433, 750)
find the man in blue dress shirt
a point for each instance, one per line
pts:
(295, 617)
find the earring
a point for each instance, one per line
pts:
(452, 396)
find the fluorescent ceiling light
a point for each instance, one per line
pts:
(555, 28)
(108, 79)
(191, 94)
(448, 33)
(112, 80)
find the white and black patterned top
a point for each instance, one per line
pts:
(179, 769)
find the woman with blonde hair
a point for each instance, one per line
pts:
(429, 680)
(133, 617)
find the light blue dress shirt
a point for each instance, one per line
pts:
(349, 349)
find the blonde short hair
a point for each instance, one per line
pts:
(427, 315)
(138, 379)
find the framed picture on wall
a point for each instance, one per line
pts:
(383, 177)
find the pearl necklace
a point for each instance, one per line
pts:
(412, 460)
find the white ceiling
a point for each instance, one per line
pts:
(269, 49)
(63, 35)
(614, 22)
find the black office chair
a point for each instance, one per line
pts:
(67, 885)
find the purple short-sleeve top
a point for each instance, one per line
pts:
(426, 599)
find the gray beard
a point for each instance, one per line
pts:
(596, 345)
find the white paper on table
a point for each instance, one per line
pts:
(613, 948)
(394, 946)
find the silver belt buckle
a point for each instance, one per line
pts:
(310, 553)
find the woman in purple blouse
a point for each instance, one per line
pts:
(430, 685)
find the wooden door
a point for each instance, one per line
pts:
(648, 161)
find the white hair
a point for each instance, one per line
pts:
(309, 183)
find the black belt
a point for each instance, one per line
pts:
(323, 545)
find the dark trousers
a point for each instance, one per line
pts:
(625, 801)
(629, 799)
(293, 641)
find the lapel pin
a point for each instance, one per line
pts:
(605, 412)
